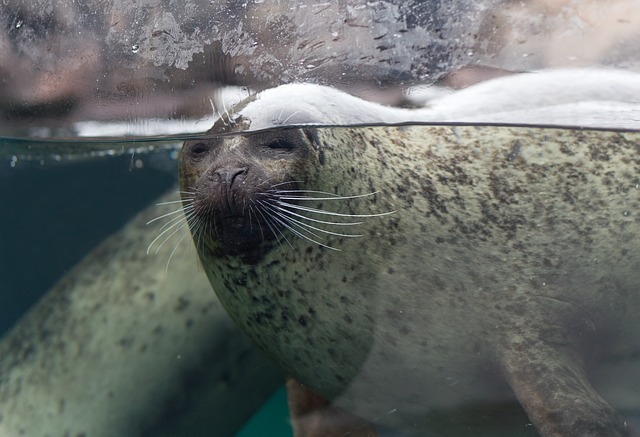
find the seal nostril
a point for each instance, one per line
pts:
(228, 175)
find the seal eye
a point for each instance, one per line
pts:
(199, 150)
(280, 145)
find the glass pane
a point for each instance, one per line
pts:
(113, 68)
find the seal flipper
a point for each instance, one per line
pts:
(552, 386)
(314, 416)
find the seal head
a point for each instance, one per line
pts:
(229, 182)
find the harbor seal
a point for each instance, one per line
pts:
(424, 277)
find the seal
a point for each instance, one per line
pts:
(425, 277)
(121, 347)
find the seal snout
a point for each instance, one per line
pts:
(227, 177)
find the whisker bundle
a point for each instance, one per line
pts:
(176, 221)
(280, 209)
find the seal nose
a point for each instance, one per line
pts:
(227, 176)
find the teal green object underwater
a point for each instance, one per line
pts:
(271, 420)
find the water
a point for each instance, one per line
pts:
(56, 212)
(59, 206)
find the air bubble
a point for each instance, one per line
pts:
(135, 48)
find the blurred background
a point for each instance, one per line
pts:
(64, 63)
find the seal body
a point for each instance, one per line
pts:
(493, 263)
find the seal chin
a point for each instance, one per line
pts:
(238, 238)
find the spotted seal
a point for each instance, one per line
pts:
(423, 277)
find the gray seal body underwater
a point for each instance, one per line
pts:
(424, 277)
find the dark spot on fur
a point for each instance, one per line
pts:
(437, 206)
(515, 151)
(599, 152)
(181, 304)
(242, 280)
(126, 342)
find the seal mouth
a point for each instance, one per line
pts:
(228, 221)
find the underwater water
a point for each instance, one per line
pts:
(54, 213)
(57, 208)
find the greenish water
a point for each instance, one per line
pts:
(55, 210)
(272, 419)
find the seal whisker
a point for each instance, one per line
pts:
(289, 117)
(169, 202)
(175, 222)
(277, 120)
(252, 213)
(337, 214)
(272, 226)
(217, 111)
(183, 209)
(197, 227)
(175, 231)
(186, 232)
(285, 210)
(226, 112)
(326, 193)
(213, 107)
(285, 183)
(293, 223)
(302, 225)
(333, 197)
(265, 182)
(286, 223)
(160, 236)
(301, 235)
